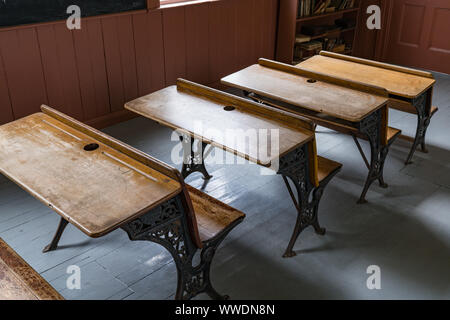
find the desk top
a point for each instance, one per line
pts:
(18, 281)
(97, 191)
(199, 111)
(400, 81)
(311, 91)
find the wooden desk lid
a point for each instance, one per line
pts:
(339, 98)
(199, 111)
(97, 191)
(18, 281)
(397, 80)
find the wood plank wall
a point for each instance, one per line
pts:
(90, 73)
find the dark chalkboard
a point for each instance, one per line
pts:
(16, 12)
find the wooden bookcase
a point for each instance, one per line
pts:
(289, 25)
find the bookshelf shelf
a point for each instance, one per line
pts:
(290, 26)
(335, 32)
(324, 15)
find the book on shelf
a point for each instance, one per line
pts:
(311, 45)
(310, 48)
(339, 48)
(334, 45)
(304, 7)
(320, 7)
(301, 53)
(301, 38)
(347, 4)
(315, 7)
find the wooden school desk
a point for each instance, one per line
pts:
(359, 110)
(18, 281)
(184, 106)
(409, 90)
(100, 184)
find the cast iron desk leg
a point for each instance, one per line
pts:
(54, 244)
(371, 127)
(167, 226)
(193, 161)
(423, 121)
(295, 166)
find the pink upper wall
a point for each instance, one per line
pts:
(90, 73)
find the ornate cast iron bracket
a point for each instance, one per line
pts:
(371, 128)
(167, 226)
(295, 166)
(193, 161)
(423, 121)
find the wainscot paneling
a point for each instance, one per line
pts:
(90, 73)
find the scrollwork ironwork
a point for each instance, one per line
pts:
(193, 161)
(163, 225)
(167, 226)
(371, 128)
(423, 121)
(295, 166)
(420, 103)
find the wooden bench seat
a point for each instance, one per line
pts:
(326, 167)
(19, 281)
(392, 133)
(212, 215)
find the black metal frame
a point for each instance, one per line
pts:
(423, 109)
(167, 225)
(59, 231)
(193, 161)
(370, 127)
(295, 166)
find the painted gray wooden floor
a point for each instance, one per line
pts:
(404, 229)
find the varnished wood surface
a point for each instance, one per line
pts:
(18, 281)
(326, 167)
(399, 81)
(332, 99)
(392, 132)
(213, 216)
(199, 111)
(96, 191)
(134, 153)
